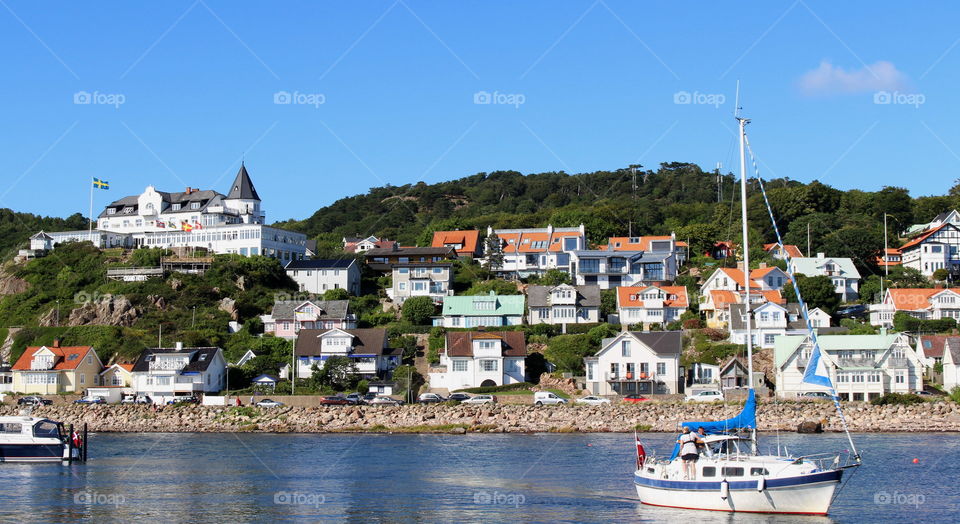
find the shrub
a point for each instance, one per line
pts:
(418, 310)
(519, 386)
(898, 399)
(692, 323)
(363, 386)
(715, 335)
(955, 394)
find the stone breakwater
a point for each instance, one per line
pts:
(503, 418)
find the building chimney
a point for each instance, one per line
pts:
(179, 346)
(763, 265)
(56, 342)
(188, 190)
(821, 256)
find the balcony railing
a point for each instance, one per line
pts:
(856, 362)
(898, 362)
(627, 376)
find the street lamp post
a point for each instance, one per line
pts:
(193, 322)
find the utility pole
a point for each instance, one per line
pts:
(193, 323)
(719, 183)
(633, 168)
(808, 239)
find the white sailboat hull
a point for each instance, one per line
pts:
(807, 494)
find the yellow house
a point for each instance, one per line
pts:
(117, 375)
(51, 370)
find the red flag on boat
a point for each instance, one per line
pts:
(641, 453)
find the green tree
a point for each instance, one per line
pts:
(598, 333)
(817, 292)
(336, 294)
(862, 245)
(552, 277)
(338, 373)
(608, 302)
(566, 352)
(498, 286)
(941, 274)
(418, 310)
(493, 250)
(408, 344)
(408, 381)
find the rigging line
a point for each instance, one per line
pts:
(843, 485)
(796, 288)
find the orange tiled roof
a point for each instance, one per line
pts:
(913, 299)
(65, 357)
(629, 296)
(791, 249)
(468, 239)
(922, 237)
(774, 296)
(128, 367)
(522, 242)
(721, 298)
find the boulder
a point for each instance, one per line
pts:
(229, 306)
(810, 426)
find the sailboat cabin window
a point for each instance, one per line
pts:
(732, 472)
(709, 471)
(758, 472)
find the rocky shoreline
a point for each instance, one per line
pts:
(502, 418)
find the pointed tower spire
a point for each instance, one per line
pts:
(242, 187)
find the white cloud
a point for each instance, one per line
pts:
(829, 80)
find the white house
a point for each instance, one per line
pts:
(771, 320)
(415, 271)
(651, 304)
(636, 362)
(922, 303)
(290, 316)
(609, 268)
(319, 275)
(842, 272)
(654, 244)
(231, 223)
(165, 373)
(861, 367)
(367, 348)
(714, 305)
(951, 364)
(480, 358)
(533, 251)
(481, 310)
(938, 247)
(563, 304)
(731, 279)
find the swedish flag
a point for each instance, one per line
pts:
(101, 184)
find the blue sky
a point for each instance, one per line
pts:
(386, 92)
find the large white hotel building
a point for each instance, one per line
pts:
(231, 223)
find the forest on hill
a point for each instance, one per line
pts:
(701, 207)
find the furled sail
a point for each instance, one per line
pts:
(746, 419)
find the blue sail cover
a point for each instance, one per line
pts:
(746, 419)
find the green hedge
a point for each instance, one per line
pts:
(494, 389)
(904, 399)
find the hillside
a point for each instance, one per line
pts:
(678, 197)
(16, 228)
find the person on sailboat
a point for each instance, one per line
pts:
(688, 452)
(702, 446)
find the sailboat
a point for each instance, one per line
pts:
(730, 475)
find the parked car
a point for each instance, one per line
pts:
(458, 397)
(334, 401)
(267, 403)
(355, 399)
(188, 399)
(925, 393)
(855, 311)
(705, 396)
(430, 398)
(34, 400)
(592, 400)
(136, 399)
(541, 398)
(90, 399)
(383, 400)
(634, 399)
(815, 395)
(369, 396)
(481, 399)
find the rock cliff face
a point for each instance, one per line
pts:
(652, 416)
(11, 285)
(110, 310)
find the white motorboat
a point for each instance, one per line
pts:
(729, 474)
(25, 438)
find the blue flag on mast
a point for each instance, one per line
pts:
(816, 372)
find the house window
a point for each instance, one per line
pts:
(488, 365)
(487, 344)
(768, 339)
(614, 369)
(511, 366)
(543, 313)
(194, 205)
(901, 377)
(459, 366)
(83, 379)
(455, 321)
(625, 348)
(175, 207)
(661, 368)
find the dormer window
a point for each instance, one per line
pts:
(194, 205)
(111, 211)
(175, 207)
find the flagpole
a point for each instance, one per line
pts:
(90, 216)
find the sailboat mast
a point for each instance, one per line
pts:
(746, 265)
